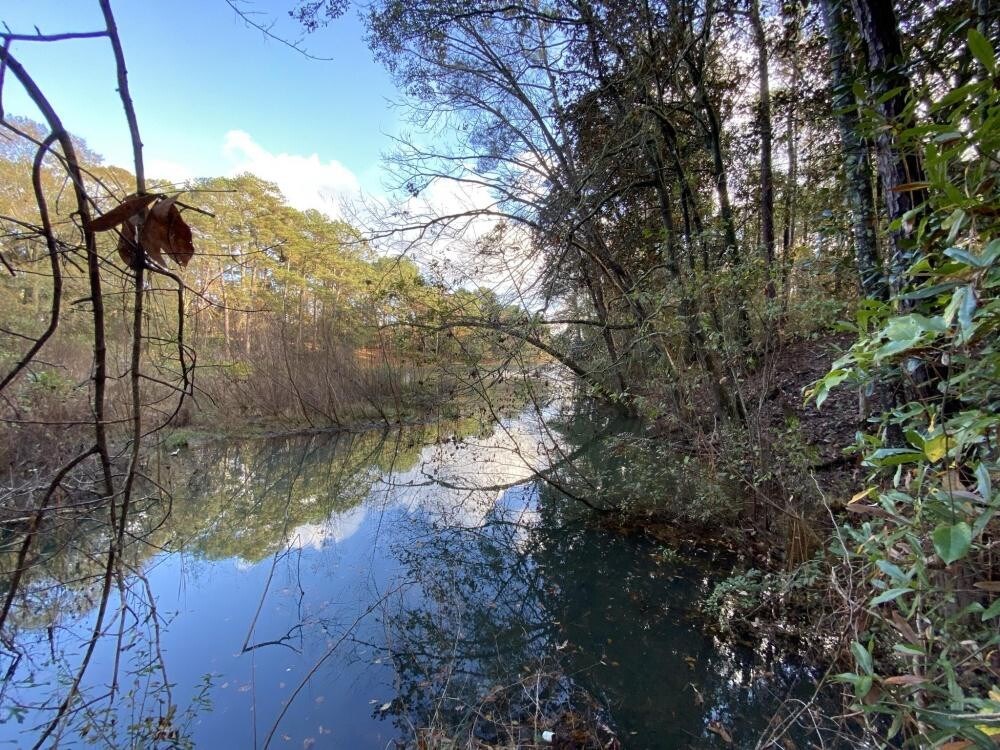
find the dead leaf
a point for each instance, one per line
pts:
(127, 249)
(905, 679)
(132, 205)
(698, 698)
(178, 245)
(181, 244)
(717, 728)
(910, 187)
(873, 696)
(957, 745)
(864, 509)
(154, 236)
(987, 585)
(904, 627)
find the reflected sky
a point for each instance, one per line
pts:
(347, 591)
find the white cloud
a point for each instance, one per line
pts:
(305, 181)
(165, 169)
(441, 228)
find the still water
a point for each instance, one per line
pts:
(359, 590)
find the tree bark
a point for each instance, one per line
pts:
(766, 147)
(890, 86)
(857, 170)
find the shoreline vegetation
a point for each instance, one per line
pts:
(770, 280)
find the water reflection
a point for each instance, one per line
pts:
(349, 591)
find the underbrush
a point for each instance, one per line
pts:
(542, 709)
(906, 586)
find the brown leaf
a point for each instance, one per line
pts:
(155, 236)
(910, 187)
(987, 585)
(873, 696)
(957, 745)
(181, 245)
(161, 209)
(904, 627)
(120, 213)
(715, 726)
(127, 249)
(905, 679)
(172, 235)
(699, 699)
(865, 509)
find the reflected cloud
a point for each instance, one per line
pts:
(339, 527)
(461, 482)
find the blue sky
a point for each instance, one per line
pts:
(212, 95)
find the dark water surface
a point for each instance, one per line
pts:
(344, 591)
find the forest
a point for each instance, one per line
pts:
(719, 308)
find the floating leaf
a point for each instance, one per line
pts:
(181, 244)
(178, 243)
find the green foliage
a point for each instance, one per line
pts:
(923, 560)
(668, 487)
(737, 600)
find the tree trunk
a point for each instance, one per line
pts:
(225, 312)
(890, 88)
(597, 298)
(766, 139)
(857, 171)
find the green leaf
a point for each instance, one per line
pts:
(894, 457)
(829, 381)
(936, 448)
(956, 95)
(951, 541)
(888, 596)
(983, 51)
(863, 686)
(991, 252)
(992, 611)
(954, 224)
(892, 570)
(983, 483)
(930, 291)
(862, 657)
(969, 259)
(965, 312)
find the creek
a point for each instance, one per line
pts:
(345, 590)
